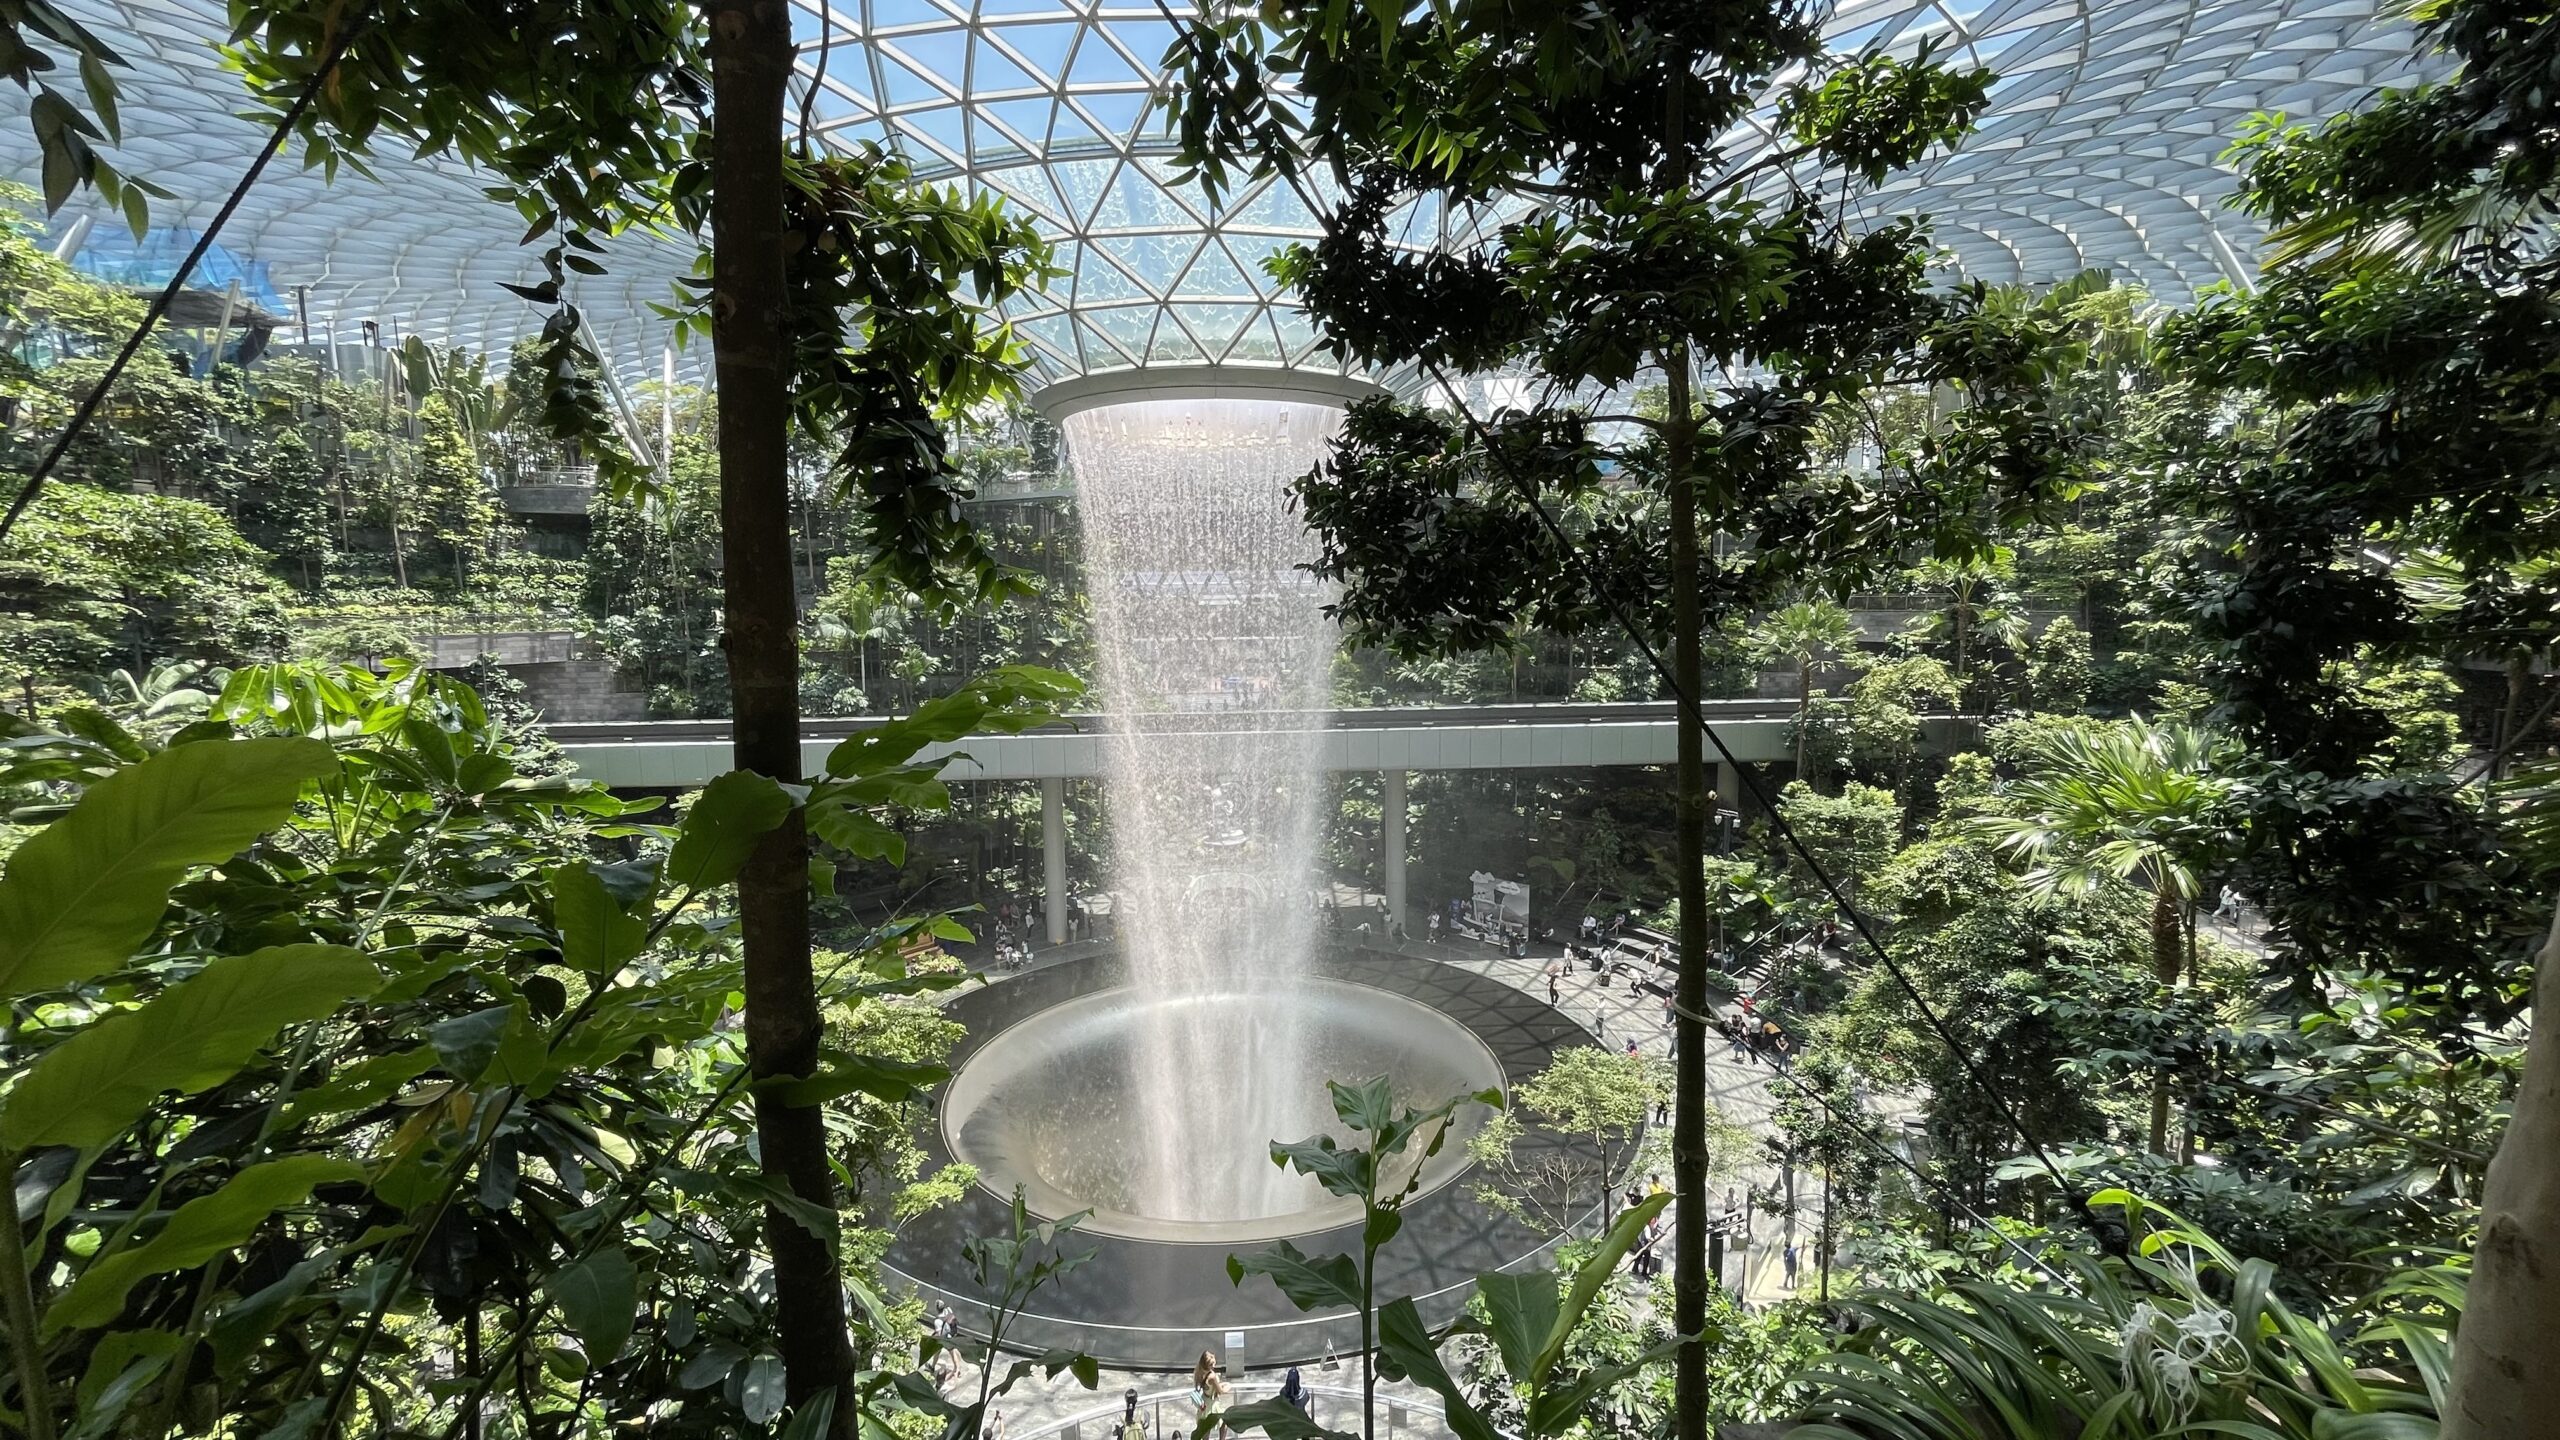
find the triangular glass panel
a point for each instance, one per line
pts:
(1217, 325)
(1024, 188)
(1115, 113)
(991, 145)
(1096, 63)
(943, 54)
(906, 84)
(993, 72)
(1020, 7)
(835, 103)
(1156, 259)
(1253, 254)
(1215, 276)
(1054, 331)
(1277, 208)
(1099, 352)
(1173, 347)
(1041, 48)
(1297, 332)
(1029, 121)
(1127, 325)
(1259, 344)
(1098, 280)
(1071, 133)
(1138, 203)
(1082, 182)
(1051, 338)
(1145, 40)
(944, 129)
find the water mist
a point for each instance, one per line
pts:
(1214, 659)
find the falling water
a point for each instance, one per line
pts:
(1214, 659)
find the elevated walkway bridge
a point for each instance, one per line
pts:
(680, 754)
(1394, 742)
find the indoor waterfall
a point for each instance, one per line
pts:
(1215, 657)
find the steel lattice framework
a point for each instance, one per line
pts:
(2099, 152)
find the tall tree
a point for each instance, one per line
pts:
(596, 128)
(1802, 635)
(1650, 246)
(2131, 803)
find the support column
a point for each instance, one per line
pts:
(1391, 833)
(1053, 856)
(1728, 786)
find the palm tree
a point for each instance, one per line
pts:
(2126, 804)
(1799, 635)
(1979, 610)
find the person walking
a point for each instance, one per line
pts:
(1209, 1393)
(1555, 987)
(1293, 1393)
(1434, 936)
(1788, 1264)
(1662, 1110)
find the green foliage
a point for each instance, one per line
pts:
(2059, 666)
(85, 891)
(1850, 835)
(374, 1037)
(1648, 243)
(94, 580)
(922, 267)
(1382, 1173)
(2122, 802)
(2178, 1337)
(35, 40)
(191, 1037)
(1599, 1096)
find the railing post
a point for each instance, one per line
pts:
(1053, 856)
(1391, 808)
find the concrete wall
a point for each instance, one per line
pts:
(581, 690)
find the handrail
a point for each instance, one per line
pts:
(1110, 1414)
(1378, 717)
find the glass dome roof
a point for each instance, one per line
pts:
(2099, 151)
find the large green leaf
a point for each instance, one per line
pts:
(1521, 1310)
(844, 1074)
(1310, 1282)
(1281, 1421)
(597, 1296)
(85, 890)
(1594, 1275)
(1339, 1171)
(597, 935)
(1405, 1344)
(731, 814)
(200, 1230)
(194, 1035)
(1013, 698)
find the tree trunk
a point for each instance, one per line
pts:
(1690, 801)
(750, 62)
(2504, 1385)
(1804, 709)
(2168, 948)
(2519, 670)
